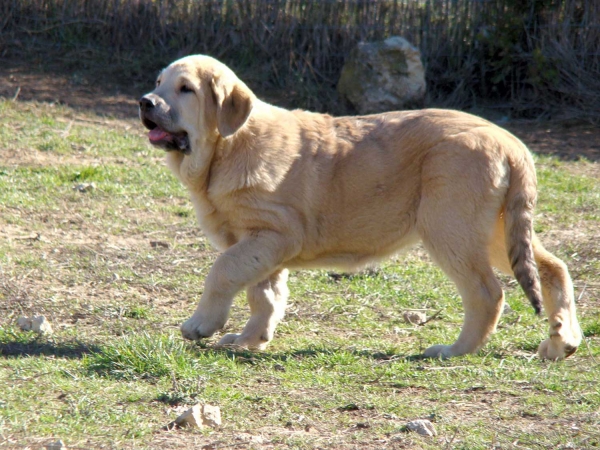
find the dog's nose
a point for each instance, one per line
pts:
(147, 102)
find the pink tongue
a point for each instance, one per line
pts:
(157, 134)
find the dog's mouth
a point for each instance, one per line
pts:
(162, 138)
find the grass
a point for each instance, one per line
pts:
(116, 269)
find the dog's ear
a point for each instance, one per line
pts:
(233, 101)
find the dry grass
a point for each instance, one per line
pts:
(536, 59)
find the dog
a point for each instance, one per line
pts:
(275, 189)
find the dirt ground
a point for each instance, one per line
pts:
(20, 82)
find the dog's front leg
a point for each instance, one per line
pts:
(267, 301)
(246, 263)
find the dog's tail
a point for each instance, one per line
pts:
(518, 220)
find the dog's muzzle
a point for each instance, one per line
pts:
(150, 114)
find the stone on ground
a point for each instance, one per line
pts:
(58, 445)
(383, 76)
(39, 324)
(199, 416)
(415, 317)
(423, 427)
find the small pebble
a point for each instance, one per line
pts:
(415, 317)
(423, 427)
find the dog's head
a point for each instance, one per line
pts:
(195, 98)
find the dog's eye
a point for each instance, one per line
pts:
(157, 83)
(185, 89)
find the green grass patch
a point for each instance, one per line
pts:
(144, 357)
(561, 193)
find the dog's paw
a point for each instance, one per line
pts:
(439, 351)
(554, 348)
(198, 327)
(228, 340)
(241, 341)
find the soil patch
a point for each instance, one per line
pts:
(21, 82)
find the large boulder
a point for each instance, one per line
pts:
(383, 76)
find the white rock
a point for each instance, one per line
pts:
(84, 187)
(58, 445)
(199, 416)
(423, 427)
(211, 416)
(41, 325)
(24, 323)
(415, 317)
(191, 418)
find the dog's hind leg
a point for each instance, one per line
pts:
(459, 248)
(267, 301)
(559, 304)
(557, 292)
(462, 194)
(481, 293)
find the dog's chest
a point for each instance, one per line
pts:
(217, 219)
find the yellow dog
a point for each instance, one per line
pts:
(275, 189)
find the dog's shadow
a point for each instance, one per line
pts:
(43, 347)
(328, 355)
(34, 345)
(73, 349)
(245, 356)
